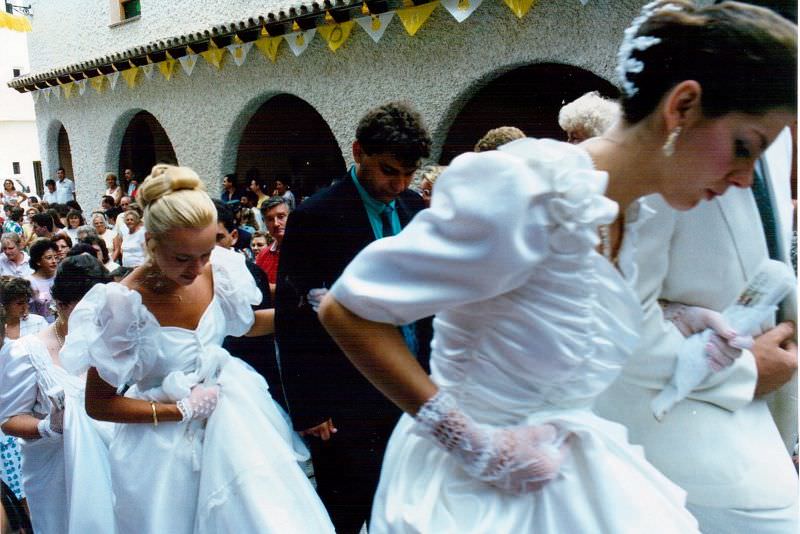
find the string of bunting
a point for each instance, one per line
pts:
(335, 34)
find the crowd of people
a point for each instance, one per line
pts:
(469, 348)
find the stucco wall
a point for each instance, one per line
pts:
(438, 70)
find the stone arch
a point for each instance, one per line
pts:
(58, 152)
(280, 135)
(527, 96)
(142, 144)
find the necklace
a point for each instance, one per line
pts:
(56, 329)
(605, 240)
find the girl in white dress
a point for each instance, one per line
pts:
(532, 322)
(201, 446)
(65, 469)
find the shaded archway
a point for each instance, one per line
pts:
(64, 152)
(144, 144)
(527, 97)
(286, 138)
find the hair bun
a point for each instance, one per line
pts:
(165, 179)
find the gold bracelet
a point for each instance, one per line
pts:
(155, 417)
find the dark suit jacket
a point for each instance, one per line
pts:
(322, 236)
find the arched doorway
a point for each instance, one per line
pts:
(64, 152)
(287, 139)
(527, 97)
(144, 144)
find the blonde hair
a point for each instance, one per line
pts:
(174, 197)
(497, 137)
(591, 113)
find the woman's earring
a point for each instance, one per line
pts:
(669, 146)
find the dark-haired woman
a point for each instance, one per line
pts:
(43, 261)
(15, 295)
(65, 457)
(74, 221)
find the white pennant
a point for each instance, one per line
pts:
(147, 70)
(375, 25)
(46, 93)
(81, 86)
(112, 79)
(239, 52)
(36, 94)
(188, 62)
(57, 91)
(461, 9)
(299, 41)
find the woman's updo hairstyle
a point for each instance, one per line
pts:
(76, 275)
(744, 57)
(174, 197)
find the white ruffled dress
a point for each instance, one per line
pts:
(236, 472)
(531, 325)
(66, 480)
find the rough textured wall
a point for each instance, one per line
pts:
(438, 70)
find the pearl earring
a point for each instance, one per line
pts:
(669, 146)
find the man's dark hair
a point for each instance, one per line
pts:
(252, 197)
(17, 213)
(76, 275)
(33, 200)
(94, 240)
(43, 219)
(62, 169)
(225, 215)
(49, 181)
(113, 213)
(395, 128)
(38, 249)
(81, 248)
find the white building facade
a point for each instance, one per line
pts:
(220, 120)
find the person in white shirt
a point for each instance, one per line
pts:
(65, 188)
(15, 294)
(50, 196)
(13, 261)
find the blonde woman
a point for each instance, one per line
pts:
(113, 188)
(588, 116)
(201, 447)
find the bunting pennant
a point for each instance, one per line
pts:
(67, 88)
(98, 83)
(57, 92)
(147, 70)
(269, 46)
(16, 23)
(520, 7)
(35, 95)
(299, 41)
(81, 86)
(336, 34)
(46, 93)
(112, 79)
(375, 25)
(187, 63)
(168, 67)
(130, 76)
(214, 56)
(239, 52)
(461, 9)
(414, 17)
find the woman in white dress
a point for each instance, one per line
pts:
(132, 242)
(202, 447)
(15, 295)
(65, 468)
(43, 261)
(532, 322)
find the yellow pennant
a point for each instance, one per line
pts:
(269, 46)
(336, 34)
(68, 88)
(130, 76)
(16, 23)
(414, 17)
(520, 7)
(214, 56)
(168, 67)
(98, 83)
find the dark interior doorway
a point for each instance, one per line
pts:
(64, 154)
(144, 144)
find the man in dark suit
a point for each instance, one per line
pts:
(347, 419)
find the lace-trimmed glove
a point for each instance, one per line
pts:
(315, 296)
(200, 403)
(724, 344)
(52, 426)
(515, 459)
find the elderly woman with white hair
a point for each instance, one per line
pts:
(588, 116)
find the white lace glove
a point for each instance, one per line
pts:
(200, 403)
(516, 459)
(52, 426)
(724, 345)
(315, 296)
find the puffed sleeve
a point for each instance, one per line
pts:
(236, 290)
(485, 230)
(18, 386)
(111, 330)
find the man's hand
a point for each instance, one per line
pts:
(323, 431)
(775, 352)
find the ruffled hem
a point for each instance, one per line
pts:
(236, 289)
